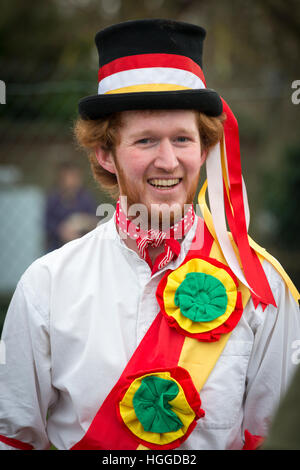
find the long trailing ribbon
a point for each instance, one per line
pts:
(250, 272)
(216, 199)
(261, 252)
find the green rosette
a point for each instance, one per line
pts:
(152, 407)
(201, 297)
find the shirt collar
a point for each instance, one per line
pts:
(113, 234)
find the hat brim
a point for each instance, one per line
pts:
(205, 100)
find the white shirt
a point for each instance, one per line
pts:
(77, 316)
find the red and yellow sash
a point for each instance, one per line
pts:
(174, 359)
(156, 403)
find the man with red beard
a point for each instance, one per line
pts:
(159, 329)
(157, 166)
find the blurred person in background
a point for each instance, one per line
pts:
(152, 332)
(70, 208)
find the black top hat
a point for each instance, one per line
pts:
(150, 64)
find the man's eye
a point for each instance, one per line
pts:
(182, 139)
(144, 141)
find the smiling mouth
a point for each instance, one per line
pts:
(164, 183)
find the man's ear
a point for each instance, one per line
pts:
(105, 159)
(204, 154)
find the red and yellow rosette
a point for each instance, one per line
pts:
(160, 408)
(200, 298)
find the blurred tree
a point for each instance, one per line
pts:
(27, 39)
(284, 18)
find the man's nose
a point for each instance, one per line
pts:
(166, 158)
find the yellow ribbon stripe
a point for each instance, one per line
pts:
(148, 87)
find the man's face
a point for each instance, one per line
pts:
(158, 160)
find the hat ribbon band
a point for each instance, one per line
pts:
(150, 75)
(139, 61)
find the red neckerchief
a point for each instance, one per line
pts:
(154, 238)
